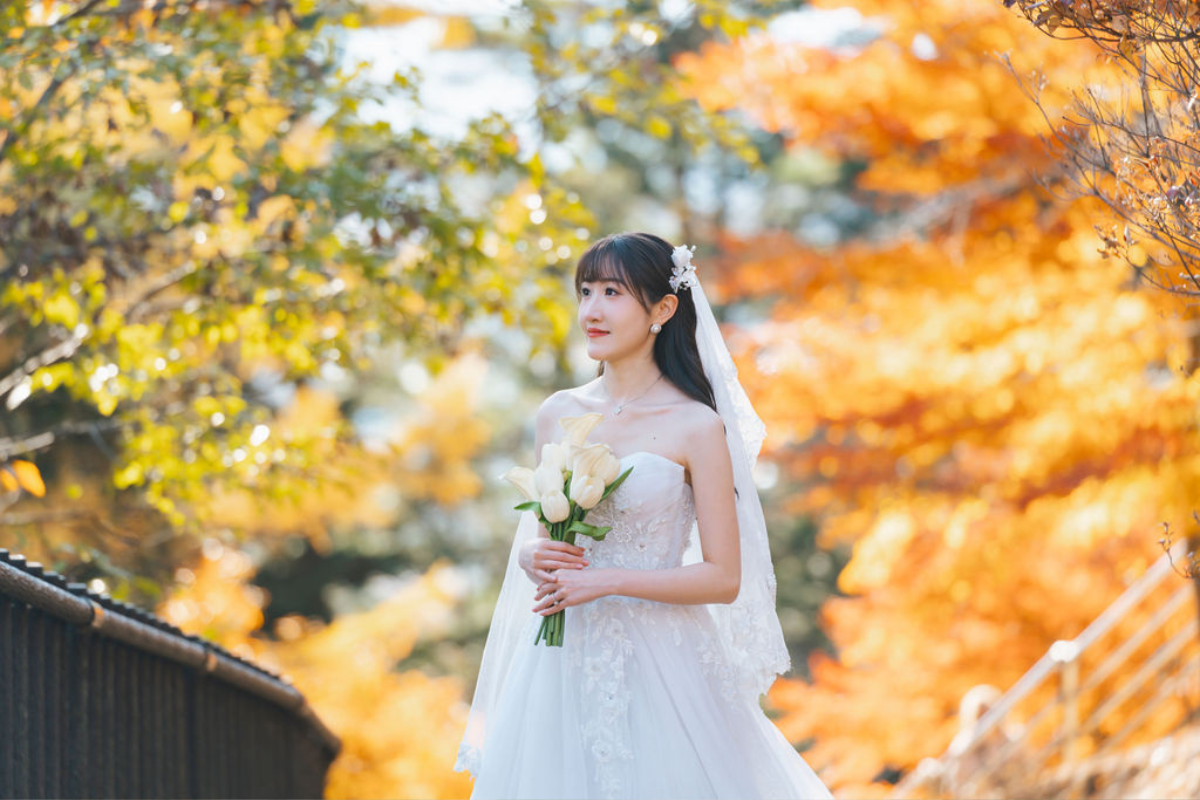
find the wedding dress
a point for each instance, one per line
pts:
(641, 700)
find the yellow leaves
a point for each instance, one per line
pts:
(62, 309)
(131, 474)
(457, 33)
(602, 104)
(305, 146)
(177, 211)
(222, 162)
(260, 123)
(274, 209)
(215, 601)
(658, 126)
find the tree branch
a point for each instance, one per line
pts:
(48, 356)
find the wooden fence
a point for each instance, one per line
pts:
(102, 699)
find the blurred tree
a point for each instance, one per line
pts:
(611, 110)
(980, 404)
(1135, 149)
(192, 215)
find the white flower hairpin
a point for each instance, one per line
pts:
(683, 271)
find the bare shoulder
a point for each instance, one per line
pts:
(699, 418)
(702, 430)
(563, 403)
(548, 414)
(554, 403)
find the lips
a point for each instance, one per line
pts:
(593, 332)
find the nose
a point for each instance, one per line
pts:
(587, 309)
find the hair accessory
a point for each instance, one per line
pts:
(683, 273)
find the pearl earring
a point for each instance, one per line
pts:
(655, 328)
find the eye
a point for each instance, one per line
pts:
(611, 289)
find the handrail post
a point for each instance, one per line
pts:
(1066, 654)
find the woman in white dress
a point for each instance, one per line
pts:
(671, 633)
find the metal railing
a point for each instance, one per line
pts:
(1131, 676)
(101, 699)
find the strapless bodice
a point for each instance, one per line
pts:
(652, 514)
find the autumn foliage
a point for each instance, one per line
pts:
(990, 411)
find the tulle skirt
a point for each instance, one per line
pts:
(637, 703)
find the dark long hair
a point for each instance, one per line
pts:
(641, 262)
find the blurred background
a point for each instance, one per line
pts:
(283, 283)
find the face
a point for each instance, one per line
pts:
(613, 320)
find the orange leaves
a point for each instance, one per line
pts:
(975, 399)
(924, 123)
(22, 475)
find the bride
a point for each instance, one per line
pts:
(671, 633)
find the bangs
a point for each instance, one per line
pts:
(599, 265)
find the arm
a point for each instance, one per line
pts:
(716, 579)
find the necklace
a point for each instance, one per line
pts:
(621, 406)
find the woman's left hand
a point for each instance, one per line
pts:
(570, 587)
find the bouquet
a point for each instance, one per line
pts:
(572, 477)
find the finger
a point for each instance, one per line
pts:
(564, 564)
(550, 607)
(573, 549)
(546, 606)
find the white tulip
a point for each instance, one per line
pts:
(608, 468)
(584, 458)
(548, 478)
(578, 428)
(522, 478)
(586, 490)
(555, 507)
(555, 454)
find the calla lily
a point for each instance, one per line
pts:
(555, 507)
(522, 478)
(586, 490)
(585, 458)
(555, 454)
(548, 478)
(578, 428)
(608, 468)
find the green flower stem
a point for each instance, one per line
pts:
(551, 629)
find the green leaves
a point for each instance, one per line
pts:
(597, 532)
(191, 200)
(612, 487)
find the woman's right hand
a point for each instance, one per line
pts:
(540, 556)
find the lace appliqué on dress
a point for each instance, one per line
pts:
(606, 695)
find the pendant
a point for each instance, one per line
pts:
(617, 413)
